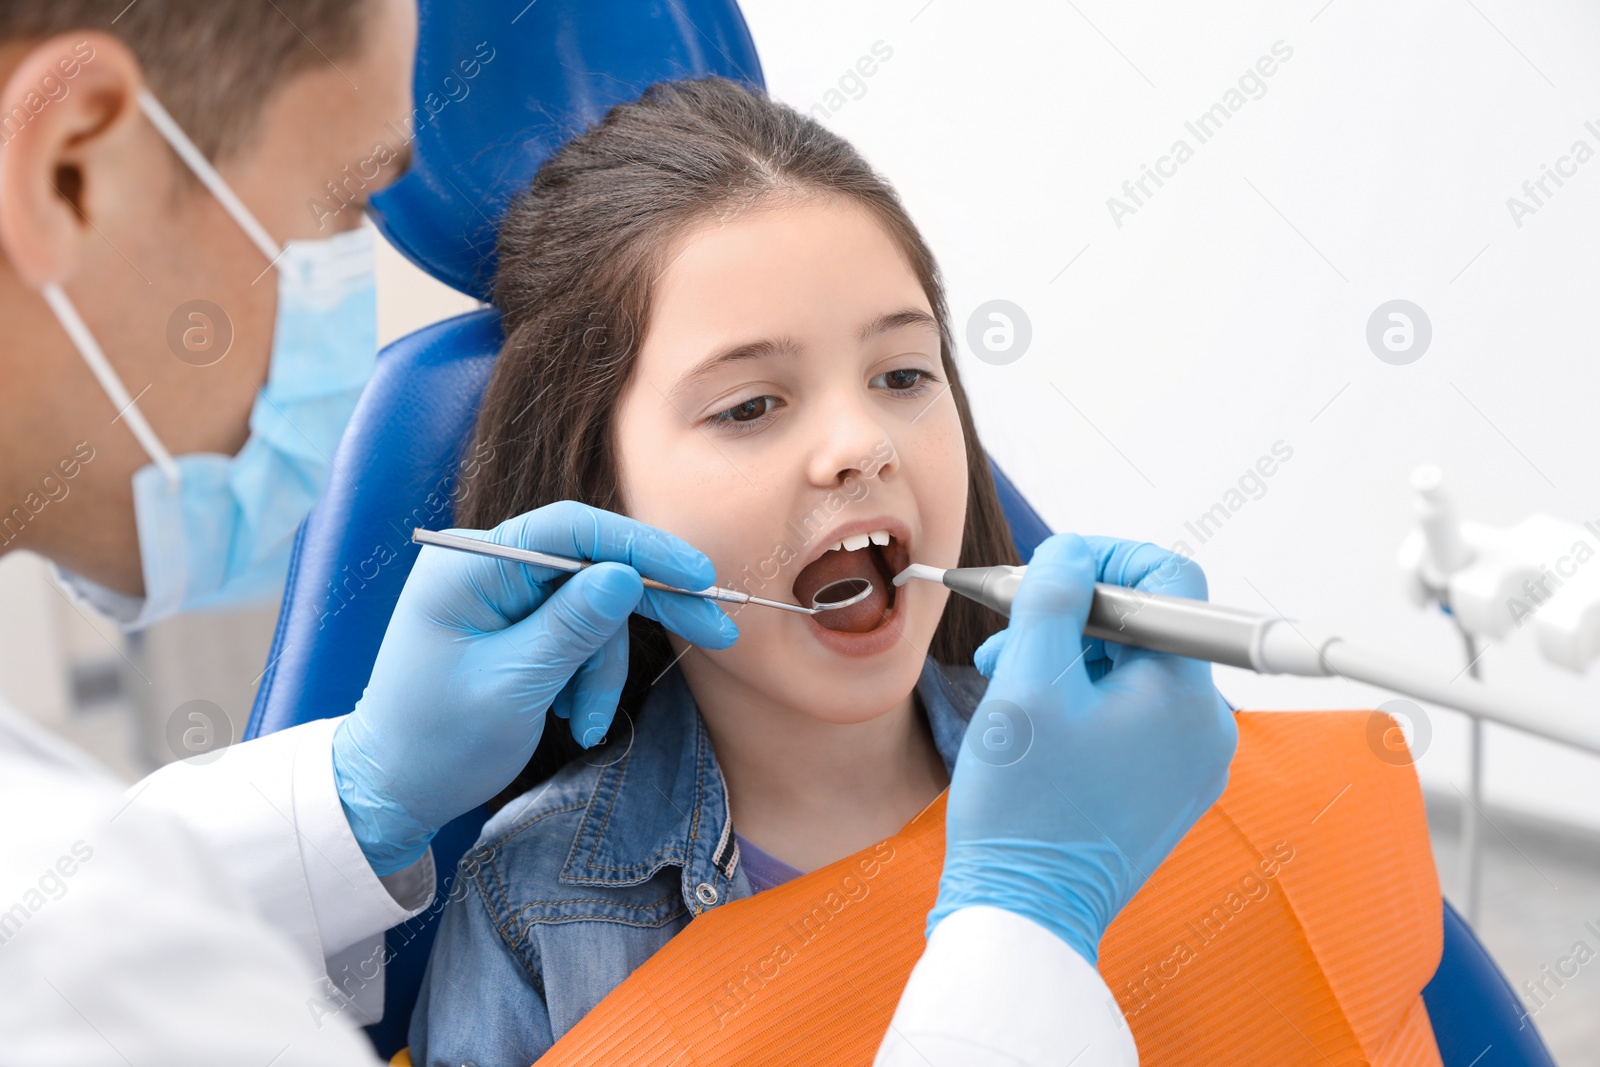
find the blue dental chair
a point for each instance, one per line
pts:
(556, 66)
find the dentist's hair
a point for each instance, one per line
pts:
(213, 63)
(578, 254)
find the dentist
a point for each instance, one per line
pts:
(187, 328)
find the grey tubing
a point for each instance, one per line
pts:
(1514, 708)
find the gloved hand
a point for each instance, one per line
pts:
(1087, 760)
(478, 649)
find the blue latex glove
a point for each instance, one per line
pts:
(1087, 760)
(478, 649)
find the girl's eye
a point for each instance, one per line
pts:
(906, 380)
(750, 411)
(749, 415)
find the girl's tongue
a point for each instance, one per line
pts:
(867, 563)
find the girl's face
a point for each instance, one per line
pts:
(788, 397)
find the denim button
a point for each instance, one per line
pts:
(706, 893)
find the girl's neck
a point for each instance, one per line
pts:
(811, 792)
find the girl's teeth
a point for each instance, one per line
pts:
(859, 541)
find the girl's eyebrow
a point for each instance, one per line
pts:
(762, 349)
(786, 346)
(896, 319)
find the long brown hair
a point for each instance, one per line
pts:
(578, 254)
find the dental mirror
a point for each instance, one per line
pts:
(841, 594)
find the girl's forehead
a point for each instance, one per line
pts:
(814, 268)
(812, 245)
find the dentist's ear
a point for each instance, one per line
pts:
(73, 150)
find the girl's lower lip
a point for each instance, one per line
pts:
(872, 643)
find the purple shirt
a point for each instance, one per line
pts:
(763, 870)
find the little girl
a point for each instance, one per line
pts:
(720, 322)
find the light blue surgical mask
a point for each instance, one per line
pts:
(216, 531)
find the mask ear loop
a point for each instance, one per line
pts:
(95, 357)
(83, 338)
(197, 162)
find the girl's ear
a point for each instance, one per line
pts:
(69, 124)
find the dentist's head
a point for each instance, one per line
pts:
(185, 292)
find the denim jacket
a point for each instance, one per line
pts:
(576, 883)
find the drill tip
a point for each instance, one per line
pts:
(920, 570)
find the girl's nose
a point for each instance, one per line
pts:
(850, 436)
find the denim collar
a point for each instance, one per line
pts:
(665, 787)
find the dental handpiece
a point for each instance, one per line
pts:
(1193, 628)
(1267, 644)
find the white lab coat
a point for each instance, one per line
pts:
(996, 990)
(197, 917)
(194, 918)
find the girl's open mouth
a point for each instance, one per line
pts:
(875, 553)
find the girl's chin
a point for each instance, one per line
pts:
(850, 668)
(804, 690)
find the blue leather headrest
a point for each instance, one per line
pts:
(501, 84)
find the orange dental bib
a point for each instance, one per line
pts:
(1296, 923)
